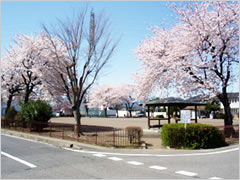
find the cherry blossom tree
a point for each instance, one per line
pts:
(21, 68)
(105, 96)
(114, 96)
(196, 56)
(89, 48)
(101, 97)
(127, 95)
(11, 84)
(25, 71)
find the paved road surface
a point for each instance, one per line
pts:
(27, 160)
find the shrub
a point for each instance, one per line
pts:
(11, 113)
(219, 116)
(18, 116)
(37, 111)
(134, 134)
(196, 136)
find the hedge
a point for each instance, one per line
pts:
(134, 134)
(196, 136)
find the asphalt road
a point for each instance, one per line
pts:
(32, 160)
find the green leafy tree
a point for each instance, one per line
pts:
(213, 105)
(11, 113)
(36, 111)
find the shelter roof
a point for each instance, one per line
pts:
(174, 102)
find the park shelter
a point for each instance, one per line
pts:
(174, 102)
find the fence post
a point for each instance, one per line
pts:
(39, 128)
(29, 124)
(78, 130)
(96, 135)
(62, 132)
(50, 124)
(22, 126)
(113, 137)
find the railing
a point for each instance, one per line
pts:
(101, 135)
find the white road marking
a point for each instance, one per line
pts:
(115, 158)
(99, 155)
(19, 160)
(103, 154)
(156, 155)
(135, 163)
(75, 150)
(142, 155)
(215, 178)
(186, 173)
(158, 167)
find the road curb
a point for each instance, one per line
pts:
(51, 140)
(78, 145)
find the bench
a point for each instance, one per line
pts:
(159, 125)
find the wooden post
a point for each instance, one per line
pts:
(148, 117)
(168, 114)
(195, 114)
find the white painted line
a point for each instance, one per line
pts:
(99, 155)
(19, 160)
(158, 167)
(215, 178)
(74, 150)
(154, 155)
(186, 173)
(135, 163)
(115, 158)
(142, 155)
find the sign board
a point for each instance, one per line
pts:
(185, 116)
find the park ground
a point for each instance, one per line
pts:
(151, 137)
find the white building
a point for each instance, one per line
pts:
(234, 103)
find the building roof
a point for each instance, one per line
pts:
(199, 98)
(233, 95)
(174, 102)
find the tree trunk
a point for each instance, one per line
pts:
(86, 107)
(117, 112)
(9, 102)
(26, 98)
(228, 120)
(105, 111)
(227, 110)
(130, 111)
(77, 117)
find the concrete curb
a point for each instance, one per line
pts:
(79, 146)
(51, 140)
